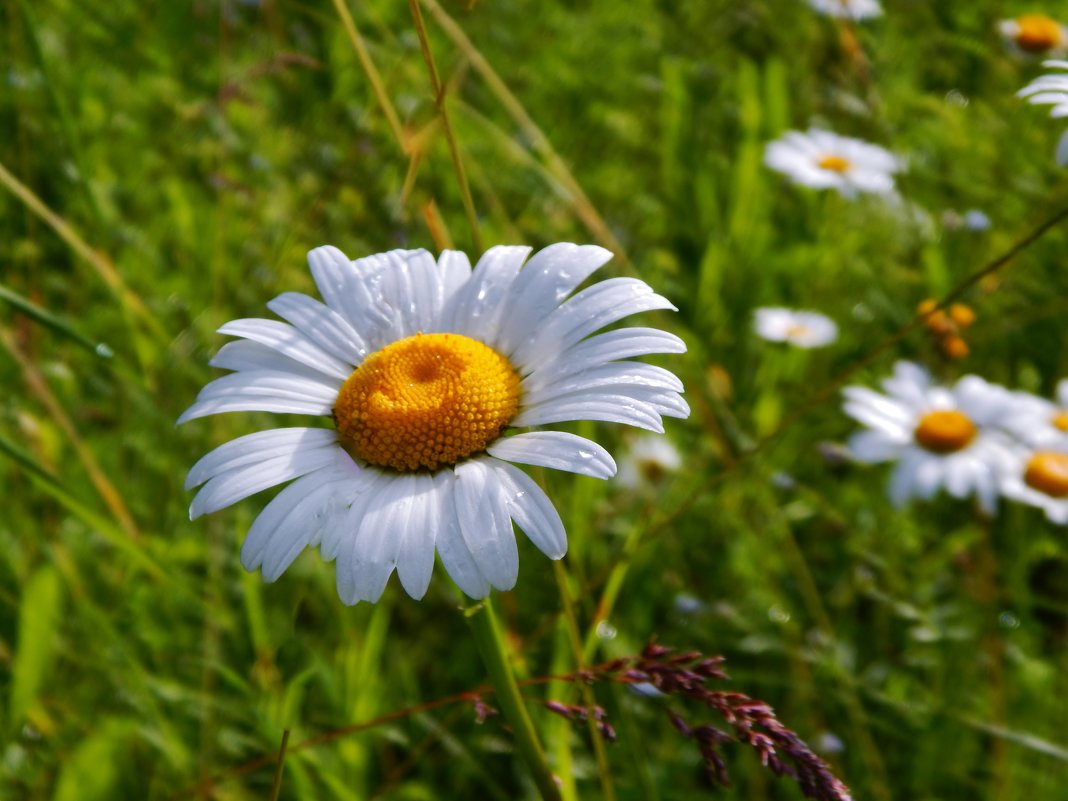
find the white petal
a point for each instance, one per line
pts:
(240, 482)
(346, 292)
(558, 450)
(375, 548)
(609, 409)
(455, 556)
(423, 285)
(1062, 150)
(265, 391)
(930, 476)
(485, 523)
(367, 484)
(246, 355)
(288, 341)
(455, 272)
(661, 401)
(415, 559)
(322, 325)
(591, 309)
(542, 285)
(476, 307)
(257, 447)
(608, 347)
(293, 520)
(531, 509)
(536, 389)
(876, 446)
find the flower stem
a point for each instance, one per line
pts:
(487, 633)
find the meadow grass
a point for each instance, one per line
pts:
(166, 167)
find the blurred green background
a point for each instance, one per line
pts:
(167, 165)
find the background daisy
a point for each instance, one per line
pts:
(805, 329)
(848, 9)
(824, 160)
(1035, 35)
(1052, 89)
(939, 438)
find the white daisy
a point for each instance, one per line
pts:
(648, 459)
(824, 160)
(1035, 35)
(848, 9)
(939, 437)
(1038, 477)
(805, 329)
(1040, 423)
(424, 367)
(1052, 90)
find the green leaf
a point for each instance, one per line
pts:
(39, 612)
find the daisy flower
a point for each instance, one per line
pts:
(425, 369)
(649, 458)
(848, 9)
(939, 437)
(805, 329)
(1035, 34)
(823, 160)
(1052, 90)
(1040, 423)
(1038, 477)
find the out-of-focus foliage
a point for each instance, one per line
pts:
(201, 148)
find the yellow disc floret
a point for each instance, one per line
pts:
(1047, 472)
(426, 401)
(833, 163)
(1037, 33)
(945, 431)
(1060, 420)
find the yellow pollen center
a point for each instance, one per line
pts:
(1037, 33)
(426, 401)
(945, 431)
(1060, 420)
(833, 163)
(1047, 472)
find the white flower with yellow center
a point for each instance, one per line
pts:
(1038, 477)
(648, 460)
(824, 160)
(1052, 90)
(1040, 423)
(939, 437)
(805, 329)
(425, 368)
(1035, 35)
(848, 9)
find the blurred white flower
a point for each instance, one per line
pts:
(939, 437)
(848, 9)
(1052, 90)
(1040, 423)
(805, 329)
(1035, 35)
(424, 366)
(649, 458)
(1038, 477)
(824, 160)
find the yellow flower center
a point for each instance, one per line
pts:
(426, 401)
(833, 163)
(945, 431)
(1037, 33)
(1060, 420)
(1047, 472)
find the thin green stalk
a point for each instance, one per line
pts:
(372, 74)
(276, 787)
(603, 768)
(450, 137)
(487, 633)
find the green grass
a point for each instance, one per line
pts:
(192, 153)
